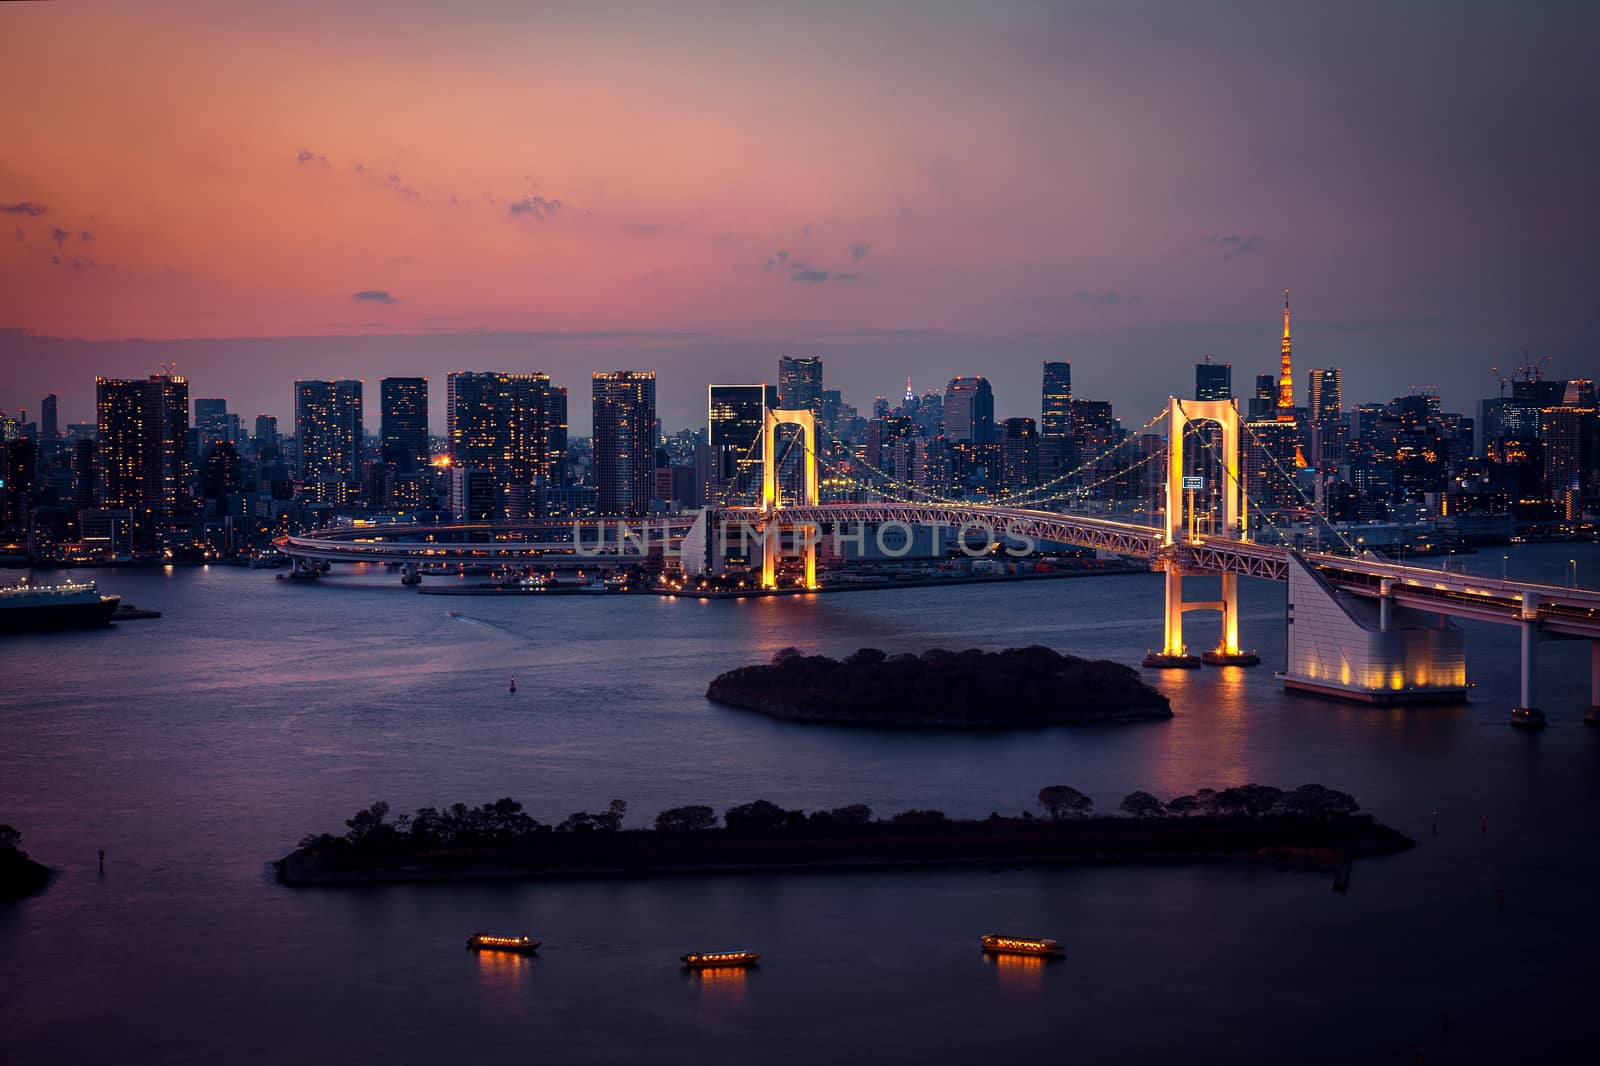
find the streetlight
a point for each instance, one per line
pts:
(1574, 564)
(1503, 559)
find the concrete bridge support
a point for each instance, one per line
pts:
(1526, 714)
(1591, 714)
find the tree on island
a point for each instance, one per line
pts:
(864, 657)
(783, 655)
(1320, 801)
(1252, 799)
(607, 821)
(1143, 805)
(1183, 806)
(761, 816)
(1064, 801)
(694, 818)
(9, 838)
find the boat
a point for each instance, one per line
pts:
(706, 960)
(597, 585)
(518, 945)
(27, 608)
(1022, 945)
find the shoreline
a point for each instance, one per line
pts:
(483, 589)
(288, 875)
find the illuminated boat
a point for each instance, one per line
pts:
(706, 960)
(29, 608)
(1022, 945)
(520, 945)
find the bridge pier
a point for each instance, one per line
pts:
(1591, 714)
(1526, 714)
(1173, 654)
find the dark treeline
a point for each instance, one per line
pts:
(503, 824)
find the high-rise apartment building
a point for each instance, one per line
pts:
(800, 382)
(403, 424)
(501, 423)
(1055, 407)
(969, 410)
(624, 441)
(328, 429)
(142, 431)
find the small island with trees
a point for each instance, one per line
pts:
(1310, 827)
(19, 875)
(973, 689)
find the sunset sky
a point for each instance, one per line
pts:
(363, 188)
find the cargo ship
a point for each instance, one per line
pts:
(705, 960)
(520, 945)
(29, 608)
(1022, 945)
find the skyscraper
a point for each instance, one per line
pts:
(735, 417)
(403, 426)
(1055, 409)
(1286, 370)
(1019, 455)
(969, 410)
(624, 441)
(142, 432)
(1213, 381)
(49, 430)
(328, 427)
(1327, 393)
(500, 423)
(800, 382)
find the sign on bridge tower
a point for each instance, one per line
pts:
(1180, 536)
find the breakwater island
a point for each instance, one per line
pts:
(1310, 827)
(1011, 689)
(20, 876)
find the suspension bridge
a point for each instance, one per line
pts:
(1358, 626)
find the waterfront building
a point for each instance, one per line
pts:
(328, 430)
(624, 441)
(501, 423)
(403, 425)
(1055, 401)
(142, 450)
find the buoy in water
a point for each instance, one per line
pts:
(513, 686)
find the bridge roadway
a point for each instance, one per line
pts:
(1564, 612)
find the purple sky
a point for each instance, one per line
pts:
(360, 189)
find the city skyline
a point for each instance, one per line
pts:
(1123, 188)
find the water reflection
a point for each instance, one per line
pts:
(1018, 971)
(502, 969)
(722, 985)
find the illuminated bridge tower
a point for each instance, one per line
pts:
(1181, 535)
(772, 497)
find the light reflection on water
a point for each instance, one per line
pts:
(196, 747)
(502, 970)
(1024, 972)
